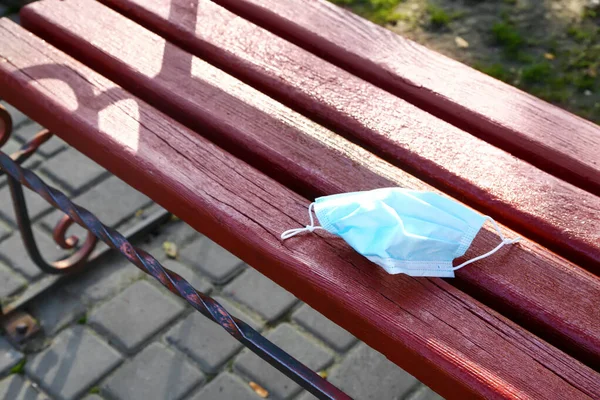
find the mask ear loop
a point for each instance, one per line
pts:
(505, 241)
(308, 228)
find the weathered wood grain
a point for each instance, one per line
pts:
(526, 283)
(457, 346)
(543, 207)
(557, 141)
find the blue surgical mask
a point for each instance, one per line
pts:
(404, 231)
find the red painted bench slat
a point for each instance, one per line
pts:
(306, 156)
(545, 135)
(487, 178)
(445, 338)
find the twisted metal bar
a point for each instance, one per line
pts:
(241, 331)
(29, 148)
(79, 258)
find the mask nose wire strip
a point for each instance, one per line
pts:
(489, 253)
(308, 228)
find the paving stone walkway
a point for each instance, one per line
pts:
(114, 333)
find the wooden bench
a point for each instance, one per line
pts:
(236, 119)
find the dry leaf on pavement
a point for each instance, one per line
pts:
(170, 249)
(259, 390)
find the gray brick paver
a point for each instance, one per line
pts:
(260, 294)
(367, 374)
(177, 232)
(76, 359)
(226, 386)
(211, 259)
(36, 205)
(332, 334)
(92, 397)
(13, 252)
(4, 231)
(73, 170)
(11, 282)
(56, 309)
(135, 315)
(11, 146)
(157, 372)
(294, 343)
(111, 201)
(16, 387)
(9, 357)
(424, 393)
(104, 280)
(206, 342)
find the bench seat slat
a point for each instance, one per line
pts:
(553, 212)
(306, 156)
(444, 337)
(545, 135)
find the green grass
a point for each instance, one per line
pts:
(378, 11)
(496, 70)
(585, 82)
(537, 73)
(579, 34)
(544, 79)
(563, 69)
(19, 368)
(82, 320)
(94, 390)
(590, 14)
(438, 17)
(551, 94)
(506, 35)
(583, 61)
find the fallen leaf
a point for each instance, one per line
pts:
(139, 213)
(259, 390)
(549, 56)
(170, 249)
(461, 43)
(323, 374)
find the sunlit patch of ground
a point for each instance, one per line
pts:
(550, 48)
